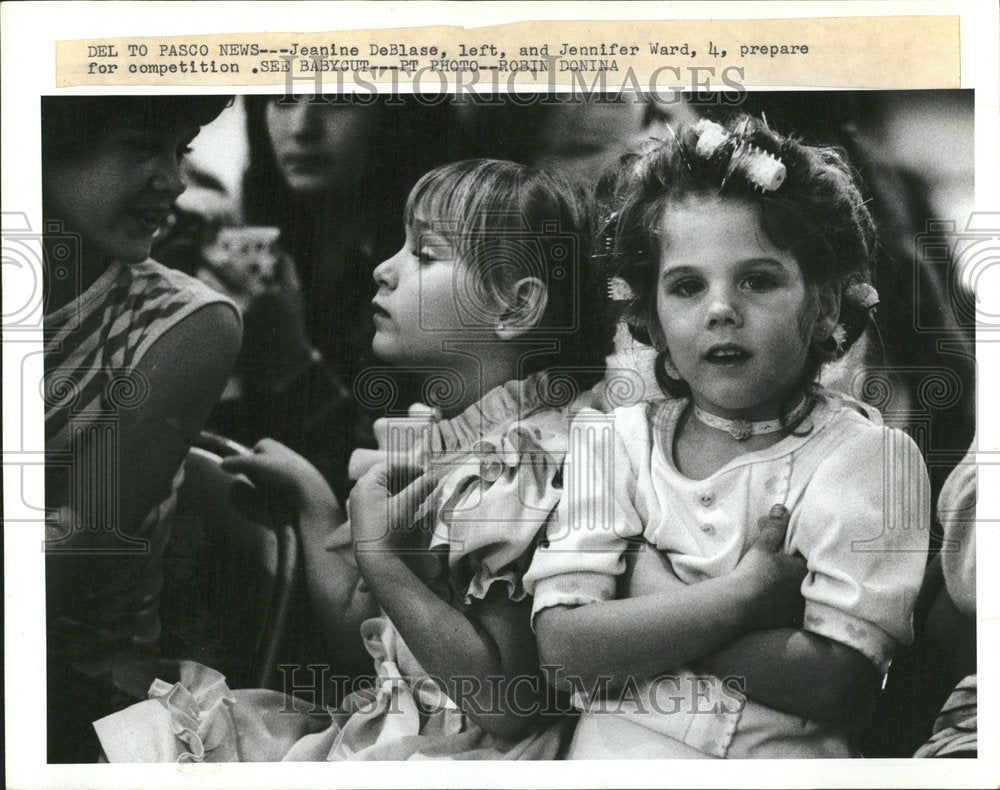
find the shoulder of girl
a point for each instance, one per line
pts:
(627, 416)
(545, 430)
(842, 407)
(154, 277)
(856, 443)
(212, 328)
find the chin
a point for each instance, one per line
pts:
(385, 351)
(731, 402)
(306, 184)
(132, 254)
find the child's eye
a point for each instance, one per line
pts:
(758, 282)
(686, 287)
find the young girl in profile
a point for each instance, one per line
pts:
(484, 299)
(742, 256)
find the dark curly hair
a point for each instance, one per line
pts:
(818, 214)
(71, 125)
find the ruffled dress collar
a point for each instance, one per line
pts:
(422, 435)
(515, 400)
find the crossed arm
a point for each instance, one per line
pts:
(733, 626)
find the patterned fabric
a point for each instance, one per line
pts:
(93, 345)
(955, 732)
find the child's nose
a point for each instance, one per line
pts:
(723, 311)
(385, 273)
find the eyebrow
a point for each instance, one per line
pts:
(746, 263)
(421, 226)
(424, 234)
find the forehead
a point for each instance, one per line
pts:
(422, 228)
(712, 230)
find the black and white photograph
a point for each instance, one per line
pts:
(554, 426)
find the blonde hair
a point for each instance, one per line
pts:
(507, 221)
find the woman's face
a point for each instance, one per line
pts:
(579, 140)
(319, 146)
(120, 191)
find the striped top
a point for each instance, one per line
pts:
(956, 729)
(92, 347)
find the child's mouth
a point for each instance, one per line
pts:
(726, 354)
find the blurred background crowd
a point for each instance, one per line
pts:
(331, 176)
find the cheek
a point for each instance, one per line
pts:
(69, 189)
(659, 320)
(344, 129)
(672, 325)
(75, 203)
(440, 310)
(277, 129)
(805, 319)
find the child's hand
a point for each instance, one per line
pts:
(594, 398)
(383, 520)
(280, 469)
(774, 576)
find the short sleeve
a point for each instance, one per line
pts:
(495, 503)
(160, 299)
(863, 525)
(581, 556)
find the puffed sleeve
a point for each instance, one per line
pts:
(863, 525)
(581, 558)
(495, 502)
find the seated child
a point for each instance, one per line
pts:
(488, 299)
(742, 255)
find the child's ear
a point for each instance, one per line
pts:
(827, 311)
(531, 297)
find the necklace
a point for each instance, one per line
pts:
(741, 430)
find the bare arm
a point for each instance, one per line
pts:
(486, 658)
(336, 589)
(780, 668)
(183, 373)
(643, 636)
(148, 443)
(774, 667)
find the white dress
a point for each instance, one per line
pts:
(859, 500)
(506, 455)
